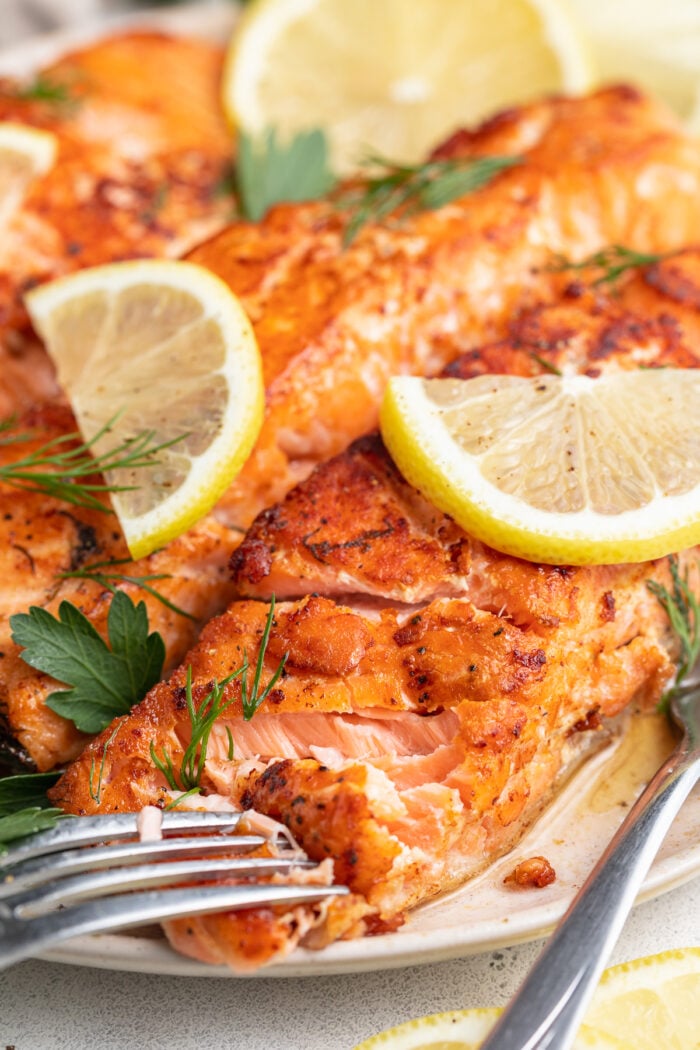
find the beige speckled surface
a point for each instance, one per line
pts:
(46, 1006)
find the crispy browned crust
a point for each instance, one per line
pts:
(356, 527)
(334, 323)
(41, 538)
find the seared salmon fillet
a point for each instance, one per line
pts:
(142, 150)
(42, 538)
(435, 691)
(334, 323)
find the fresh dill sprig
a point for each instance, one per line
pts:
(203, 717)
(96, 793)
(107, 575)
(614, 261)
(409, 188)
(546, 365)
(63, 466)
(683, 611)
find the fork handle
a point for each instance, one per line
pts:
(549, 1006)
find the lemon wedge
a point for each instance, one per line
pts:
(559, 469)
(642, 1005)
(25, 154)
(164, 349)
(654, 45)
(395, 78)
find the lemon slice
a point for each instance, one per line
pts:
(652, 44)
(461, 1030)
(648, 1004)
(165, 349)
(560, 469)
(395, 78)
(25, 154)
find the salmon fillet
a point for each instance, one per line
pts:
(334, 323)
(41, 538)
(142, 150)
(435, 691)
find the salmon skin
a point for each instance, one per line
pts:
(334, 323)
(142, 152)
(435, 692)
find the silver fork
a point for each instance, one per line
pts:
(550, 1004)
(64, 868)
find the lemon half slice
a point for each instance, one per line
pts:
(395, 78)
(25, 154)
(165, 349)
(559, 469)
(648, 1004)
(654, 45)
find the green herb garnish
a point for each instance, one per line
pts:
(107, 575)
(105, 680)
(63, 469)
(683, 611)
(614, 261)
(203, 717)
(24, 807)
(546, 365)
(96, 792)
(410, 188)
(44, 89)
(25, 789)
(268, 172)
(27, 822)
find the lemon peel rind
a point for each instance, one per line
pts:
(581, 538)
(226, 455)
(40, 145)
(453, 1025)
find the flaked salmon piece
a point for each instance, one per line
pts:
(142, 151)
(334, 323)
(440, 733)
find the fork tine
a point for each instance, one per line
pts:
(23, 938)
(119, 880)
(38, 870)
(83, 831)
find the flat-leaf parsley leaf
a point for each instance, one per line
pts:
(105, 680)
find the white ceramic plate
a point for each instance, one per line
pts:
(484, 914)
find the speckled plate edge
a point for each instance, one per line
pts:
(480, 916)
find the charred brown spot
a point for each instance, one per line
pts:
(607, 614)
(591, 721)
(534, 659)
(251, 561)
(274, 778)
(410, 633)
